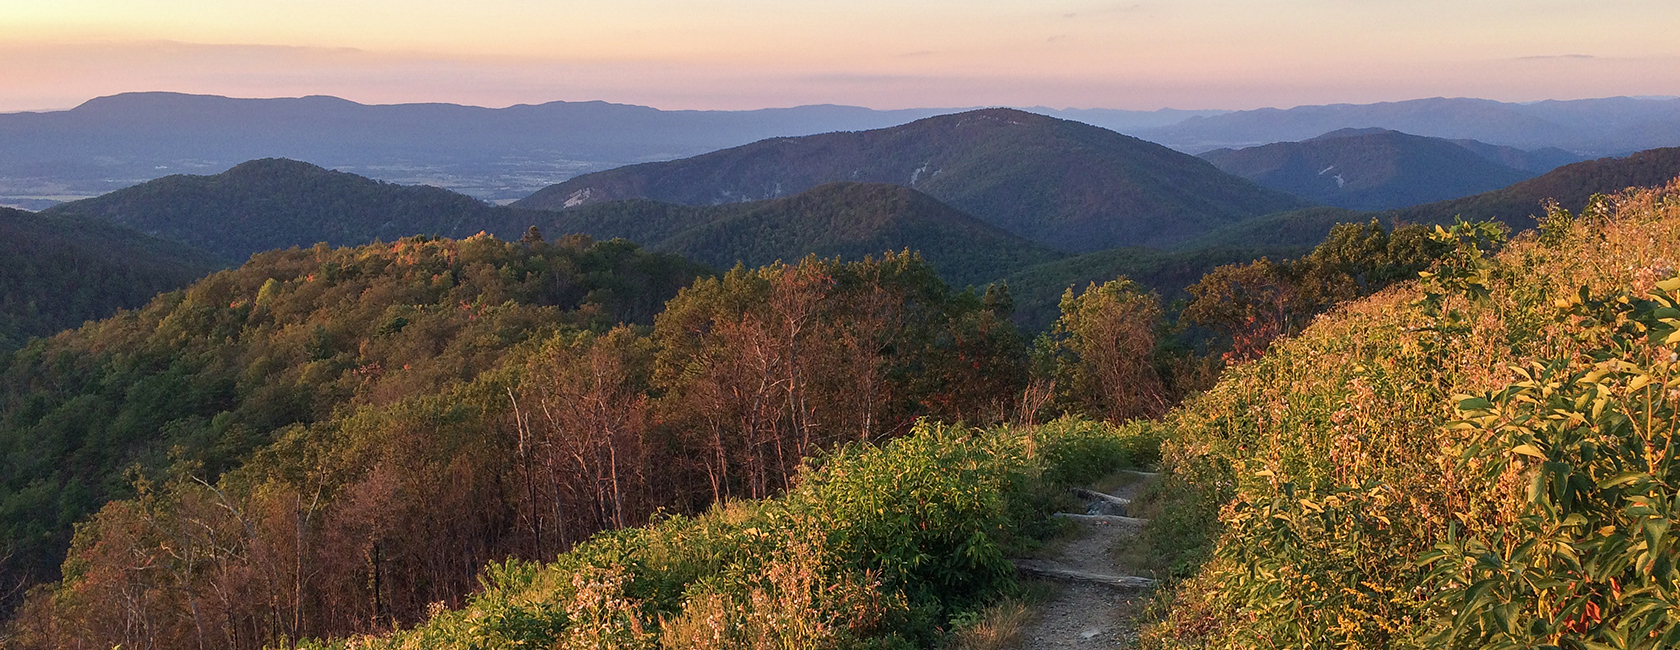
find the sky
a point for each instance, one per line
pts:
(737, 54)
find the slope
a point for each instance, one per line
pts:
(277, 203)
(490, 153)
(849, 220)
(199, 378)
(1489, 437)
(56, 272)
(1060, 183)
(1368, 169)
(1608, 126)
(1570, 185)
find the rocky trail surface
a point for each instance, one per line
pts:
(1099, 590)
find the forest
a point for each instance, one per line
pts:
(1409, 434)
(350, 436)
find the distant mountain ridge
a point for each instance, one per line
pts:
(499, 154)
(1064, 184)
(274, 204)
(1376, 169)
(277, 203)
(1518, 205)
(1591, 127)
(1571, 186)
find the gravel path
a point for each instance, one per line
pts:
(1083, 615)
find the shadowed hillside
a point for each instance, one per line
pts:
(56, 272)
(1064, 184)
(1570, 185)
(277, 203)
(1369, 169)
(849, 220)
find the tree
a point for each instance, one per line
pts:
(1101, 352)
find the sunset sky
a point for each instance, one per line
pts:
(757, 53)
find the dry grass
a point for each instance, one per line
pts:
(999, 628)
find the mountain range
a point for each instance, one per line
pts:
(1063, 184)
(1590, 127)
(501, 154)
(276, 203)
(491, 153)
(1379, 169)
(848, 220)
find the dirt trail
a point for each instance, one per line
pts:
(1085, 614)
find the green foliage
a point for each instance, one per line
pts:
(1344, 504)
(214, 372)
(58, 272)
(1079, 452)
(877, 546)
(849, 220)
(1100, 352)
(1590, 561)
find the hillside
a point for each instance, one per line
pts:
(394, 417)
(201, 378)
(1495, 436)
(849, 220)
(1369, 169)
(277, 203)
(1038, 289)
(112, 142)
(1517, 205)
(57, 272)
(1570, 185)
(1598, 127)
(1063, 184)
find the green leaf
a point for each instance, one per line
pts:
(1621, 479)
(1528, 450)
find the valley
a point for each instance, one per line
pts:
(848, 388)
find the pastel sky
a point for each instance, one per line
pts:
(881, 53)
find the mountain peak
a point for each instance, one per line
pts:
(1061, 183)
(1355, 132)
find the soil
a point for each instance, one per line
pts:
(1087, 615)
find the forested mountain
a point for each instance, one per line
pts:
(1369, 169)
(849, 220)
(1516, 205)
(276, 203)
(57, 271)
(334, 441)
(200, 378)
(500, 154)
(111, 142)
(1570, 185)
(1063, 184)
(1597, 127)
(1536, 161)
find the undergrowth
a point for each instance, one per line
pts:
(1477, 459)
(894, 546)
